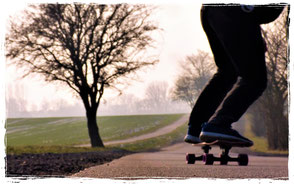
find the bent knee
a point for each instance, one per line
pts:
(228, 77)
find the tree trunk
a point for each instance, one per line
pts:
(284, 127)
(272, 131)
(277, 126)
(93, 130)
(258, 126)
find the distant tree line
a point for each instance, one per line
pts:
(157, 100)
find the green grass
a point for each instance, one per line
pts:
(156, 142)
(138, 146)
(122, 127)
(73, 131)
(260, 143)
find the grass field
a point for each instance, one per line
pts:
(61, 135)
(144, 145)
(157, 142)
(72, 131)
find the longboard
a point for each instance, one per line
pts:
(223, 143)
(224, 157)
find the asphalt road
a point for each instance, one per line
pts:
(170, 163)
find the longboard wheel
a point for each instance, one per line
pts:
(190, 158)
(224, 159)
(243, 159)
(208, 159)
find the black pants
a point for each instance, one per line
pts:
(238, 48)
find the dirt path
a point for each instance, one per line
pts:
(159, 132)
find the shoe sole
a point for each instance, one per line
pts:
(191, 141)
(211, 136)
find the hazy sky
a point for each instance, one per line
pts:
(182, 35)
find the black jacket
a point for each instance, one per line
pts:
(263, 14)
(267, 13)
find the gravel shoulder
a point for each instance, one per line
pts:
(50, 164)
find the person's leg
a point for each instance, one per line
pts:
(242, 40)
(217, 88)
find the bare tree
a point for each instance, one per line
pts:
(196, 71)
(272, 108)
(16, 100)
(88, 47)
(156, 95)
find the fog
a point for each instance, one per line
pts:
(182, 35)
(18, 105)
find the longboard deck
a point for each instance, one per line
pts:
(223, 143)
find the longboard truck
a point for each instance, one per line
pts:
(223, 158)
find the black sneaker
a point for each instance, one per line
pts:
(211, 132)
(192, 136)
(192, 139)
